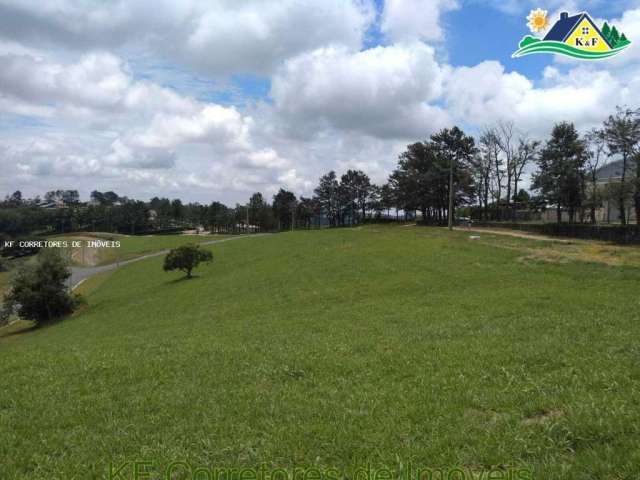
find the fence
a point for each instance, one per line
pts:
(623, 234)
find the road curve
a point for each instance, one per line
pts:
(80, 274)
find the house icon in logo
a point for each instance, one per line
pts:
(574, 36)
(578, 31)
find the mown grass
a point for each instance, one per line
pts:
(130, 246)
(334, 348)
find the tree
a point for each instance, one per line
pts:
(419, 181)
(305, 211)
(490, 151)
(218, 217)
(177, 210)
(426, 171)
(458, 150)
(14, 200)
(526, 153)
(482, 171)
(596, 143)
(506, 141)
(185, 258)
(68, 197)
(328, 194)
(374, 203)
(560, 174)
(356, 188)
(284, 204)
(133, 216)
(39, 292)
(614, 38)
(622, 132)
(387, 198)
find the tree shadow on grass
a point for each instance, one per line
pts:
(183, 279)
(18, 327)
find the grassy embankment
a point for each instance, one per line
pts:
(130, 246)
(328, 348)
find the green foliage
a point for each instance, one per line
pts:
(185, 258)
(355, 190)
(528, 40)
(39, 291)
(614, 37)
(328, 194)
(284, 205)
(421, 180)
(561, 168)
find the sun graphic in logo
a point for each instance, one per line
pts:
(538, 20)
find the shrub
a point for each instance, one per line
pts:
(39, 291)
(186, 258)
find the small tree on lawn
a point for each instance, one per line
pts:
(185, 258)
(39, 292)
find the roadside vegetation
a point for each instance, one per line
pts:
(374, 344)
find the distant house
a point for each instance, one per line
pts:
(52, 205)
(579, 31)
(609, 174)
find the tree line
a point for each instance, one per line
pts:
(445, 172)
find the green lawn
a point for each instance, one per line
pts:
(333, 348)
(130, 246)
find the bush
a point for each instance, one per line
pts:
(39, 291)
(186, 258)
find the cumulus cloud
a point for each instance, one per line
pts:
(383, 91)
(77, 114)
(216, 37)
(485, 94)
(106, 125)
(415, 19)
(97, 82)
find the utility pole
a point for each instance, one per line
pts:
(451, 193)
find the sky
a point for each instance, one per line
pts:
(216, 99)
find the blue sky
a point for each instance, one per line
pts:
(475, 32)
(216, 100)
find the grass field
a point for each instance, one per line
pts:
(130, 246)
(371, 345)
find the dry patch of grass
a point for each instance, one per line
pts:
(543, 417)
(589, 252)
(562, 251)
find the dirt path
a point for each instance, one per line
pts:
(80, 274)
(514, 233)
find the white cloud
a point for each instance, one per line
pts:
(485, 94)
(93, 120)
(210, 123)
(382, 91)
(216, 37)
(415, 19)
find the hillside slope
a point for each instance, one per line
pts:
(326, 348)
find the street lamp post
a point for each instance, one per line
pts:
(451, 192)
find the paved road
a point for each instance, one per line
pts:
(80, 274)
